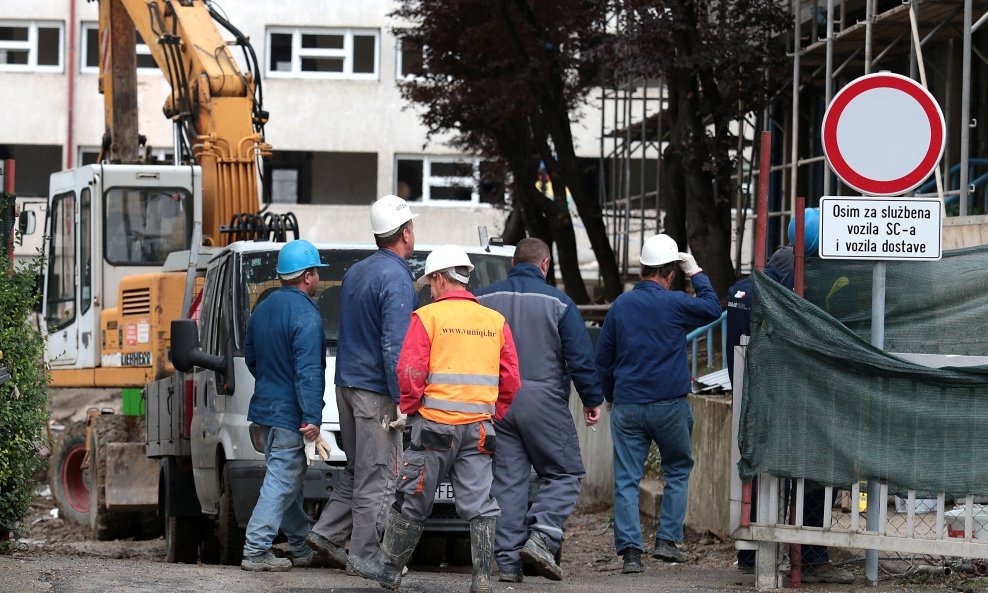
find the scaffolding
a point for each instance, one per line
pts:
(833, 42)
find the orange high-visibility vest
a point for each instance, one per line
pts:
(466, 340)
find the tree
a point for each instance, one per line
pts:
(23, 399)
(505, 77)
(720, 60)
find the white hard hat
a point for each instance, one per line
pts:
(443, 258)
(389, 213)
(658, 250)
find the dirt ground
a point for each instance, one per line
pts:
(588, 547)
(54, 556)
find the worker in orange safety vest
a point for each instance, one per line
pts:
(458, 368)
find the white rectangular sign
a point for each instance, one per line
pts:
(881, 228)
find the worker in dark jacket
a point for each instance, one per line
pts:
(538, 431)
(816, 566)
(377, 301)
(739, 298)
(285, 352)
(641, 359)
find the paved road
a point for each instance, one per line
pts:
(51, 573)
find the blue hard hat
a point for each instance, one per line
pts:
(811, 231)
(298, 255)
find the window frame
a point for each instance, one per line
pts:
(141, 48)
(298, 53)
(400, 74)
(66, 252)
(31, 45)
(427, 178)
(188, 203)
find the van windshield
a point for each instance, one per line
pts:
(261, 279)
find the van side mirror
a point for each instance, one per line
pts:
(186, 354)
(185, 350)
(27, 222)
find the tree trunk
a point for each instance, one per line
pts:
(708, 227)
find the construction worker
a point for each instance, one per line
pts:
(377, 300)
(538, 431)
(816, 566)
(285, 352)
(457, 370)
(641, 359)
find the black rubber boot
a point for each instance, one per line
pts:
(399, 542)
(482, 551)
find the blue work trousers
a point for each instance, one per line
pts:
(537, 433)
(280, 501)
(669, 423)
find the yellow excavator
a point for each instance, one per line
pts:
(124, 239)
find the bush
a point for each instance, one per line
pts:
(23, 399)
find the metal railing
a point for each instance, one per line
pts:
(706, 333)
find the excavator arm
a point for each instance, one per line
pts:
(214, 106)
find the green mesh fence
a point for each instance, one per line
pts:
(821, 403)
(930, 307)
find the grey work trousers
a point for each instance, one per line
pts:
(461, 451)
(358, 506)
(537, 433)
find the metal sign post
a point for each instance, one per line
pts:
(883, 135)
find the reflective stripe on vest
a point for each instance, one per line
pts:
(453, 406)
(464, 360)
(461, 379)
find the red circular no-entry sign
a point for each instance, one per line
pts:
(883, 134)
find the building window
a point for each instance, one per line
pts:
(449, 179)
(410, 58)
(89, 60)
(30, 46)
(284, 186)
(323, 53)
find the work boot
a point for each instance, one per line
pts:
(510, 575)
(667, 551)
(327, 549)
(386, 566)
(537, 555)
(302, 559)
(826, 573)
(266, 562)
(482, 551)
(632, 561)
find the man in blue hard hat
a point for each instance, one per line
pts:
(285, 352)
(816, 566)
(377, 301)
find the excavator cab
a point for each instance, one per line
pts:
(110, 230)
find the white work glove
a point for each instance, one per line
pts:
(688, 264)
(400, 421)
(319, 446)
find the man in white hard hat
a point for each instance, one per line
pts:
(377, 301)
(641, 360)
(458, 369)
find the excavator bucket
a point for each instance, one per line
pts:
(131, 478)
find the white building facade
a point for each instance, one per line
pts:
(341, 132)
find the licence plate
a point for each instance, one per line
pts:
(444, 493)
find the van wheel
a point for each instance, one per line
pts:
(231, 535)
(68, 481)
(181, 540)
